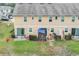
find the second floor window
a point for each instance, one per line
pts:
(40, 18)
(32, 18)
(25, 19)
(73, 18)
(56, 17)
(78, 17)
(50, 19)
(62, 18)
(66, 29)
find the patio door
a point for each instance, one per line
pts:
(20, 31)
(75, 31)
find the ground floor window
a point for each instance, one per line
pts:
(75, 31)
(52, 29)
(30, 29)
(20, 31)
(66, 29)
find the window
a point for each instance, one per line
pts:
(62, 18)
(66, 29)
(50, 19)
(30, 29)
(56, 17)
(75, 31)
(73, 18)
(25, 19)
(52, 29)
(20, 31)
(32, 18)
(40, 18)
(11, 11)
(78, 17)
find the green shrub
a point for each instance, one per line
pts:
(33, 37)
(68, 37)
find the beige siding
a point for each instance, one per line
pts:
(56, 24)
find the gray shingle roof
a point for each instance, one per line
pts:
(46, 9)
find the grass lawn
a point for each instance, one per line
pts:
(30, 48)
(37, 48)
(71, 45)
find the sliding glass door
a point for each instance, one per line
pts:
(75, 31)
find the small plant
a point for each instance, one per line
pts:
(8, 39)
(12, 33)
(33, 37)
(56, 37)
(68, 37)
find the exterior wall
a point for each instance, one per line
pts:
(56, 24)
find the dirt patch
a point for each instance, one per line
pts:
(61, 51)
